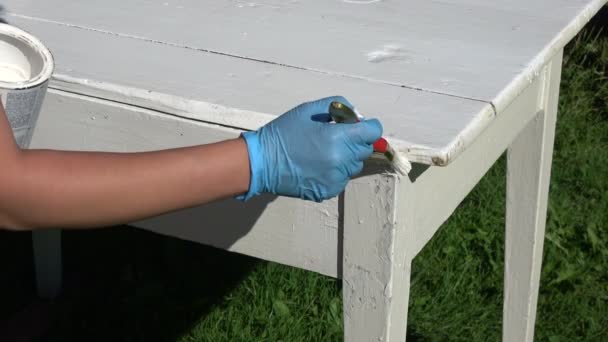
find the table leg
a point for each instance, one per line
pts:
(47, 260)
(528, 173)
(376, 267)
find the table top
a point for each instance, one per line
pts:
(435, 72)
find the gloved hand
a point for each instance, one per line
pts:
(300, 154)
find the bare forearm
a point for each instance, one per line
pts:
(84, 189)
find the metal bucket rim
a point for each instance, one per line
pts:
(46, 55)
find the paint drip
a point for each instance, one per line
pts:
(386, 53)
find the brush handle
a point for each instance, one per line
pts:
(381, 145)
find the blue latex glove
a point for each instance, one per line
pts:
(300, 154)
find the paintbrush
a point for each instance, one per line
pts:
(341, 113)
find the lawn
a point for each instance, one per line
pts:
(123, 284)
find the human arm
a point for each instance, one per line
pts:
(295, 155)
(44, 188)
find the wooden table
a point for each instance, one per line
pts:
(455, 83)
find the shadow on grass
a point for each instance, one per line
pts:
(600, 21)
(121, 284)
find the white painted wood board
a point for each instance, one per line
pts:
(285, 230)
(429, 128)
(469, 48)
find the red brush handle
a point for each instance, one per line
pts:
(381, 145)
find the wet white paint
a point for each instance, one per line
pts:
(14, 59)
(255, 4)
(386, 53)
(12, 73)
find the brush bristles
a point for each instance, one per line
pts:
(399, 162)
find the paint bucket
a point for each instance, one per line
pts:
(26, 66)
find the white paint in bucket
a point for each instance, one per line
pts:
(26, 66)
(11, 73)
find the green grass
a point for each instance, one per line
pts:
(127, 285)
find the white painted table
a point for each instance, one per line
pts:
(455, 82)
